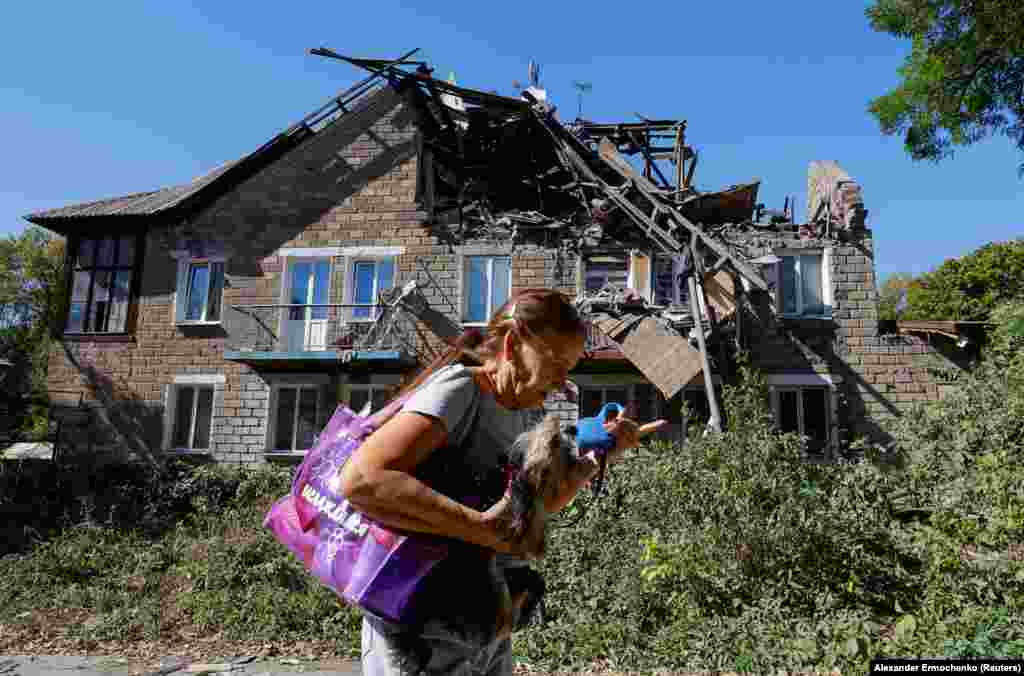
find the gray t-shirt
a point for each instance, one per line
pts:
(449, 395)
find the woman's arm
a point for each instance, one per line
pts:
(378, 481)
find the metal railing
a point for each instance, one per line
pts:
(317, 328)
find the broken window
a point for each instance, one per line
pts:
(610, 270)
(488, 281)
(670, 285)
(102, 274)
(804, 285)
(805, 411)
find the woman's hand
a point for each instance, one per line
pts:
(628, 433)
(506, 534)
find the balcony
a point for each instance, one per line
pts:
(291, 334)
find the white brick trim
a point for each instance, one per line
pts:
(200, 379)
(311, 252)
(803, 379)
(372, 251)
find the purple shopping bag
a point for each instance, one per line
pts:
(365, 563)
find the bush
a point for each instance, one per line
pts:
(737, 553)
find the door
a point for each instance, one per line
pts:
(308, 290)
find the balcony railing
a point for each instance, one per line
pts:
(294, 329)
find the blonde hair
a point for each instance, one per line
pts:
(529, 312)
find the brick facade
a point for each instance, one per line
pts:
(354, 184)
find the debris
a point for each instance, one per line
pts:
(505, 169)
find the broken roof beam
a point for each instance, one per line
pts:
(612, 157)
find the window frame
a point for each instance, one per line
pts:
(185, 266)
(825, 254)
(467, 290)
(315, 384)
(829, 390)
(588, 273)
(214, 382)
(131, 303)
(352, 265)
(374, 383)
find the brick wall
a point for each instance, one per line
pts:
(876, 376)
(355, 184)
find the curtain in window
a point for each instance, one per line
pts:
(789, 285)
(810, 282)
(477, 305)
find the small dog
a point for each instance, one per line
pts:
(543, 458)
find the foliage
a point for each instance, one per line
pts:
(970, 287)
(892, 295)
(31, 298)
(733, 553)
(963, 79)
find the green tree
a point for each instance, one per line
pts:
(970, 287)
(963, 79)
(892, 292)
(31, 300)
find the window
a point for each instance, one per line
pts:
(201, 286)
(102, 274)
(369, 278)
(376, 395)
(804, 285)
(606, 270)
(487, 284)
(670, 281)
(638, 398)
(193, 417)
(804, 410)
(306, 291)
(296, 410)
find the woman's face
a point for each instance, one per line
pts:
(545, 362)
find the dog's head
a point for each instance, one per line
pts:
(544, 456)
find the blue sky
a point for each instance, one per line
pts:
(107, 98)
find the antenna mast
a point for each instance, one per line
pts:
(582, 88)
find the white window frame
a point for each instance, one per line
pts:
(826, 283)
(185, 264)
(198, 381)
(312, 382)
(349, 285)
(490, 286)
(799, 382)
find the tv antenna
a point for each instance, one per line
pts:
(582, 88)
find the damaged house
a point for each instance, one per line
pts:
(229, 317)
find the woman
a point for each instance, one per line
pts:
(526, 352)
